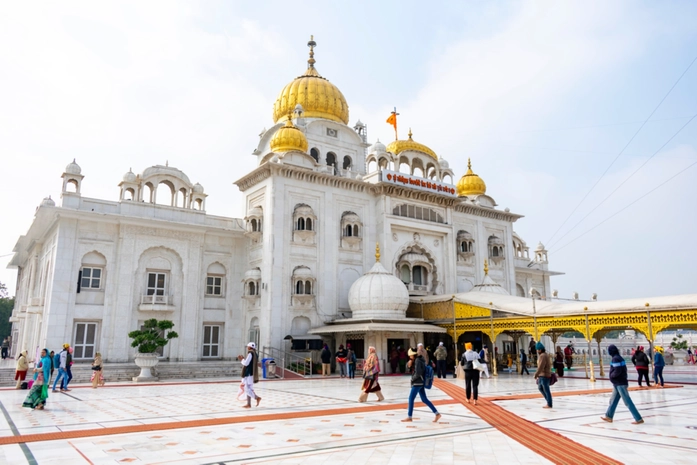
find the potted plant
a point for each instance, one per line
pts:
(153, 335)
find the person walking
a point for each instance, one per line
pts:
(471, 373)
(620, 385)
(523, 362)
(36, 399)
(97, 375)
(68, 370)
(341, 356)
(484, 359)
(559, 362)
(371, 370)
(544, 373)
(5, 348)
(569, 356)
(250, 374)
(62, 359)
(53, 366)
(22, 367)
(351, 355)
(326, 357)
(441, 355)
(658, 364)
(417, 385)
(641, 363)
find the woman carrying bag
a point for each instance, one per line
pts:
(371, 369)
(471, 364)
(97, 371)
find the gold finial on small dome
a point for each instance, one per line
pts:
(486, 267)
(470, 183)
(377, 252)
(410, 134)
(312, 44)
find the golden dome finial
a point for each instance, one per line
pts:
(486, 267)
(312, 44)
(410, 134)
(377, 252)
(470, 183)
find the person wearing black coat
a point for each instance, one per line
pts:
(326, 357)
(641, 362)
(618, 378)
(417, 385)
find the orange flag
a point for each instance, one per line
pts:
(393, 120)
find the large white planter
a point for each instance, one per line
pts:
(146, 362)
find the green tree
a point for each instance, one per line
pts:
(6, 306)
(678, 343)
(154, 334)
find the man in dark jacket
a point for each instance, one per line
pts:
(641, 362)
(618, 378)
(326, 357)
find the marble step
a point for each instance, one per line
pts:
(126, 371)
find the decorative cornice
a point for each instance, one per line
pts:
(476, 210)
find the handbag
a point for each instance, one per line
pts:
(369, 376)
(553, 379)
(477, 365)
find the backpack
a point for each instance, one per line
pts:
(57, 360)
(428, 377)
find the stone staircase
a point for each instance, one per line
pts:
(114, 372)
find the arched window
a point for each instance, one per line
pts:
(252, 289)
(406, 274)
(301, 224)
(348, 231)
(420, 275)
(255, 226)
(300, 287)
(308, 224)
(215, 280)
(308, 287)
(347, 163)
(331, 159)
(129, 194)
(314, 153)
(495, 252)
(372, 165)
(355, 230)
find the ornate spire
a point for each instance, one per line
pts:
(377, 252)
(312, 44)
(410, 134)
(469, 164)
(486, 267)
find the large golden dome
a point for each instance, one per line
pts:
(470, 183)
(403, 145)
(318, 97)
(288, 139)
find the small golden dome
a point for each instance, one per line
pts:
(288, 139)
(470, 183)
(403, 145)
(318, 97)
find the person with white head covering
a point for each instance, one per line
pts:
(441, 354)
(250, 373)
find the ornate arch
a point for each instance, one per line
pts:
(417, 247)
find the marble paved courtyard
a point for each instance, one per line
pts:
(319, 421)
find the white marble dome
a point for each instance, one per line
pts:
(129, 177)
(48, 202)
(198, 188)
(378, 294)
(444, 163)
(73, 168)
(377, 147)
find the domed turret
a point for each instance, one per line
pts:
(470, 183)
(399, 146)
(378, 294)
(444, 163)
(377, 147)
(318, 97)
(73, 168)
(289, 139)
(198, 188)
(48, 202)
(129, 177)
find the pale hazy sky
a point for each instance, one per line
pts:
(541, 95)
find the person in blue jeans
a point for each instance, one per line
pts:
(417, 385)
(618, 378)
(544, 373)
(658, 363)
(62, 367)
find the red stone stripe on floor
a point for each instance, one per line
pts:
(550, 445)
(205, 422)
(584, 392)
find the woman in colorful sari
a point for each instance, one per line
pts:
(97, 371)
(39, 391)
(371, 369)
